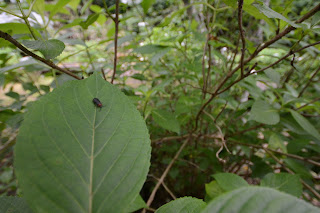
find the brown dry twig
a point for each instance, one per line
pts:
(116, 22)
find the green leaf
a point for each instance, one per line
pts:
(305, 124)
(229, 181)
(38, 7)
(254, 199)
(275, 142)
(213, 189)
(146, 4)
(13, 205)
(18, 65)
(138, 203)
(183, 205)
(150, 48)
(90, 20)
(283, 182)
(263, 113)
(49, 48)
(273, 14)
(273, 75)
(298, 168)
(71, 156)
(166, 120)
(59, 5)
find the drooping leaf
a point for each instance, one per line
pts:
(229, 181)
(283, 182)
(146, 4)
(254, 199)
(166, 120)
(74, 157)
(273, 14)
(183, 205)
(262, 112)
(49, 48)
(14, 205)
(305, 124)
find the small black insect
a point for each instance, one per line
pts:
(97, 102)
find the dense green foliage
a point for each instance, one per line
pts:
(225, 108)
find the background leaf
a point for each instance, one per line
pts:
(183, 205)
(73, 157)
(305, 124)
(166, 120)
(229, 181)
(146, 4)
(262, 112)
(283, 182)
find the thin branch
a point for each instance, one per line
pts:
(11, 141)
(287, 55)
(116, 22)
(103, 74)
(243, 40)
(255, 146)
(291, 172)
(165, 173)
(221, 111)
(7, 37)
(166, 188)
(309, 82)
(314, 100)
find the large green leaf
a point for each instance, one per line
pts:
(305, 124)
(183, 205)
(283, 182)
(229, 181)
(262, 112)
(49, 48)
(13, 205)
(166, 120)
(74, 157)
(254, 199)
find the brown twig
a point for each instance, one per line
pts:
(291, 172)
(221, 111)
(314, 100)
(243, 40)
(11, 141)
(116, 22)
(165, 173)
(165, 187)
(103, 74)
(309, 82)
(7, 37)
(255, 146)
